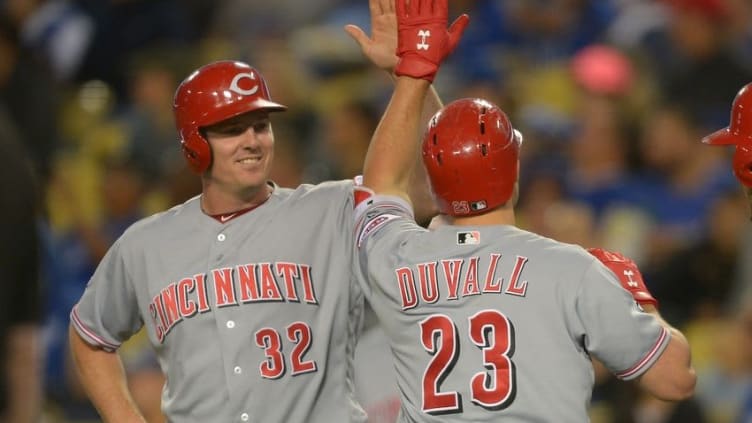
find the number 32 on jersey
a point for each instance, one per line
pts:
(490, 331)
(270, 340)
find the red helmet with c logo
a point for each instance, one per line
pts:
(211, 94)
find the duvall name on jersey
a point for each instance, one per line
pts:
(427, 287)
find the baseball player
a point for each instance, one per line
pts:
(246, 291)
(488, 322)
(739, 133)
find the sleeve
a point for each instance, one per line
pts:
(107, 313)
(615, 329)
(373, 213)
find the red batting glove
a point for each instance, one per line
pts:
(628, 274)
(423, 40)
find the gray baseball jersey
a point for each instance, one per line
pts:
(494, 323)
(253, 320)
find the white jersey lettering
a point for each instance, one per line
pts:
(515, 286)
(406, 283)
(429, 285)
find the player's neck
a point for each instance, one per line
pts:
(216, 201)
(500, 216)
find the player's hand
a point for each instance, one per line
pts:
(381, 47)
(423, 38)
(628, 274)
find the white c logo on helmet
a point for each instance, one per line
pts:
(235, 88)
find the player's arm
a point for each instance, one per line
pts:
(103, 377)
(671, 377)
(393, 151)
(380, 48)
(22, 366)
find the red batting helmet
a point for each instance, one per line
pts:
(211, 94)
(739, 132)
(471, 153)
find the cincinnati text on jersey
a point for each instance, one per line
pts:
(242, 284)
(428, 287)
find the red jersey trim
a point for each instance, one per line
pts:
(637, 368)
(89, 333)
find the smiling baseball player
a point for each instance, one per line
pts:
(246, 291)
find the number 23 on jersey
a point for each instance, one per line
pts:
(490, 331)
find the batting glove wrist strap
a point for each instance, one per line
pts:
(627, 272)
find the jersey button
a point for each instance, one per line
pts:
(221, 237)
(244, 417)
(237, 370)
(230, 324)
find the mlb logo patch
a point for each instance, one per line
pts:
(468, 238)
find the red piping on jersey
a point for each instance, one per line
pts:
(226, 217)
(89, 332)
(634, 369)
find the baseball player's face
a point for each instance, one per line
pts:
(242, 151)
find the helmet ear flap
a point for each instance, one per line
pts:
(196, 151)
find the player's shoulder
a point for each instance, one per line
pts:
(324, 190)
(178, 217)
(554, 249)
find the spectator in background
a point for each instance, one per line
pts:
(74, 255)
(148, 121)
(601, 150)
(697, 281)
(56, 30)
(599, 172)
(682, 180)
(539, 32)
(348, 131)
(122, 28)
(694, 59)
(31, 98)
(20, 302)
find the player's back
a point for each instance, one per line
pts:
(483, 323)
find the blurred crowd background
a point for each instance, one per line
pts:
(612, 97)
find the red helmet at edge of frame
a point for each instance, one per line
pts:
(471, 154)
(739, 133)
(211, 94)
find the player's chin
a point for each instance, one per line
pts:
(253, 177)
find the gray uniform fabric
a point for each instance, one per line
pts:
(494, 323)
(254, 320)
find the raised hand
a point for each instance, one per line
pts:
(381, 47)
(423, 38)
(628, 274)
